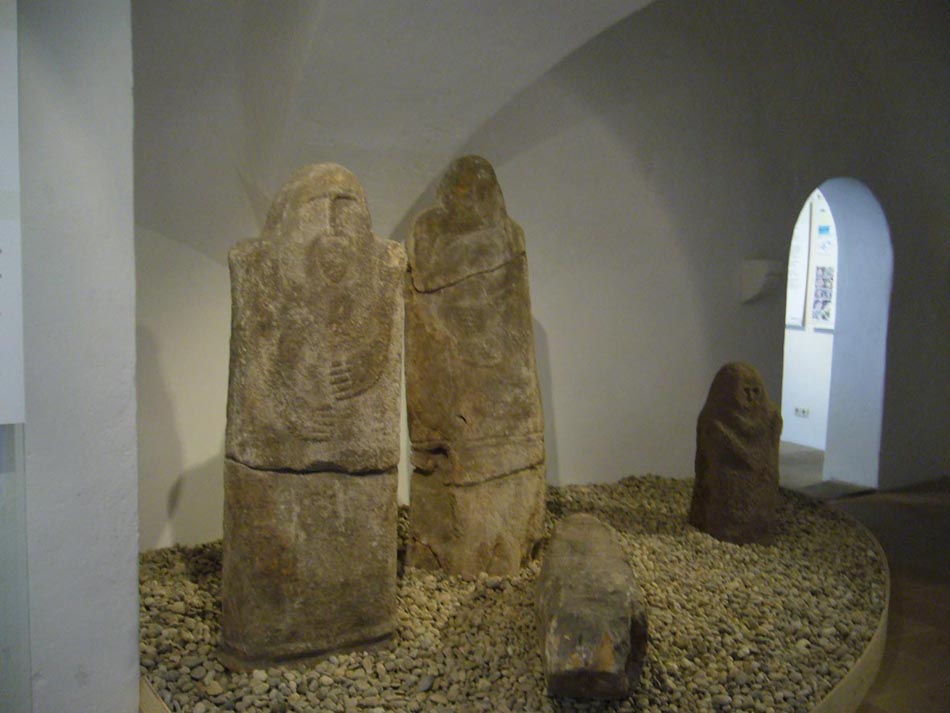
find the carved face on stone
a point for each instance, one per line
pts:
(324, 207)
(468, 233)
(737, 397)
(470, 192)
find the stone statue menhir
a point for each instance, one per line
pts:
(312, 440)
(736, 496)
(475, 419)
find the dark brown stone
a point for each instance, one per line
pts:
(471, 381)
(736, 496)
(591, 617)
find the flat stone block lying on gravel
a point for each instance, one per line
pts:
(591, 616)
(309, 564)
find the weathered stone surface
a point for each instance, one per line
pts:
(471, 380)
(480, 528)
(591, 617)
(736, 495)
(312, 439)
(316, 333)
(309, 564)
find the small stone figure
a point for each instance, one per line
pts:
(591, 617)
(312, 439)
(736, 495)
(475, 419)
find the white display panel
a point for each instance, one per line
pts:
(797, 286)
(11, 280)
(825, 260)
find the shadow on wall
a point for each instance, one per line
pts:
(660, 148)
(604, 164)
(175, 503)
(160, 452)
(543, 360)
(194, 506)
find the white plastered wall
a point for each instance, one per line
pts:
(628, 167)
(651, 162)
(806, 372)
(182, 331)
(14, 604)
(79, 313)
(858, 369)
(685, 138)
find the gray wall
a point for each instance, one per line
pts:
(15, 689)
(650, 162)
(79, 310)
(14, 610)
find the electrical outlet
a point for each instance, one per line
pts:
(802, 412)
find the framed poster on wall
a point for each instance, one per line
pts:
(796, 289)
(825, 287)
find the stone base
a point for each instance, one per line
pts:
(738, 507)
(235, 662)
(309, 564)
(490, 527)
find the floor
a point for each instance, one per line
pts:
(913, 526)
(799, 466)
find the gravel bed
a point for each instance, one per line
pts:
(732, 628)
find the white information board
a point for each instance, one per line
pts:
(797, 285)
(825, 258)
(11, 274)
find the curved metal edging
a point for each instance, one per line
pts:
(850, 691)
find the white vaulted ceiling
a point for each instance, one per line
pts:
(230, 97)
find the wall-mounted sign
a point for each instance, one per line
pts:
(812, 268)
(823, 303)
(824, 284)
(797, 285)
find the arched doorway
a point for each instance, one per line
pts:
(837, 302)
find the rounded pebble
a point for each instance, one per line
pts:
(732, 628)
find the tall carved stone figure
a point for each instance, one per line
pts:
(736, 496)
(312, 440)
(475, 418)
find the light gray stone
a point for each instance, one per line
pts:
(309, 564)
(312, 440)
(591, 617)
(471, 381)
(316, 333)
(736, 495)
